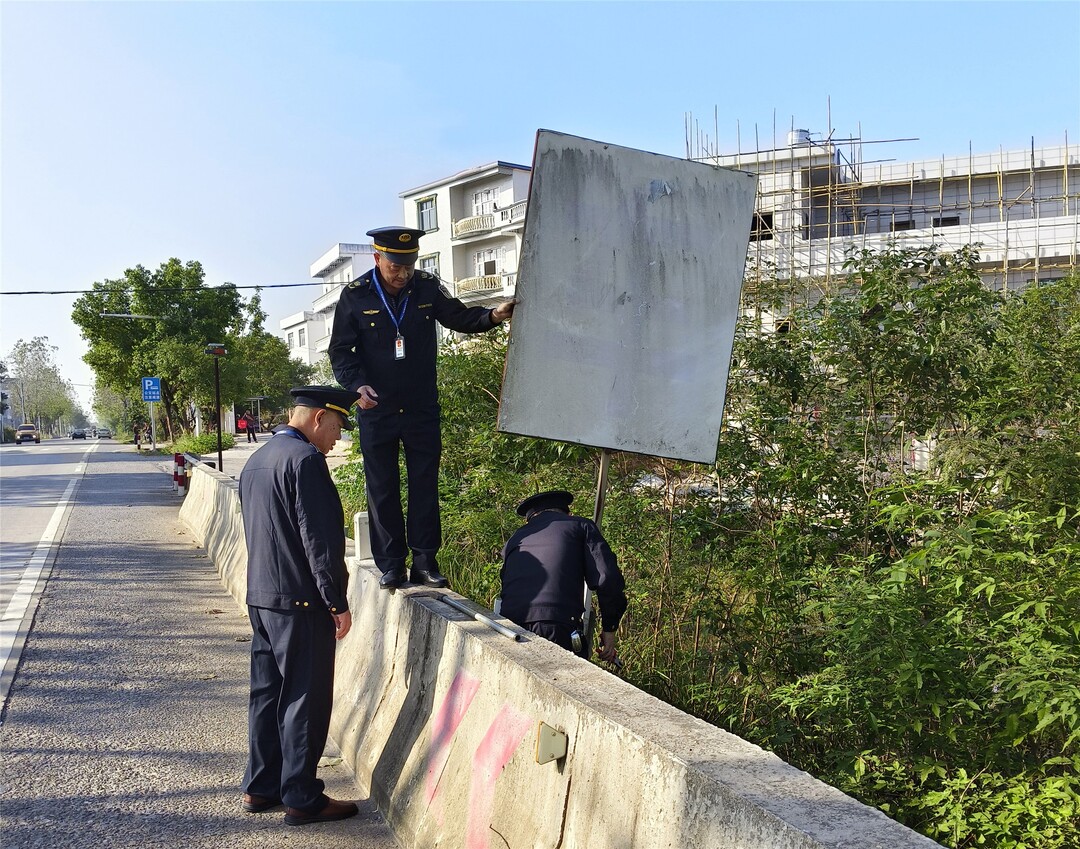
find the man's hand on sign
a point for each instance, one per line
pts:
(503, 311)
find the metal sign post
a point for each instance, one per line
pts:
(151, 392)
(598, 514)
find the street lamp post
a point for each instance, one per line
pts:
(217, 351)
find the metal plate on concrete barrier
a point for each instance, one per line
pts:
(628, 291)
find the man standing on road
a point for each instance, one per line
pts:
(295, 532)
(251, 426)
(383, 348)
(546, 565)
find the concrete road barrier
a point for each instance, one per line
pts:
(447, 723)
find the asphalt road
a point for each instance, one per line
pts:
(125, 724)
(33, 480)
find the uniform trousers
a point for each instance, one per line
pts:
(292, 695)
(382, 434)
(556, 632)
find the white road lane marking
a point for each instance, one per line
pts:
(23, 596)
(24, 592)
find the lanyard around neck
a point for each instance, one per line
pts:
(289, 430)
(397, 319)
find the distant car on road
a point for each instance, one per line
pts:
(27, 433)
(104, 433)
(78, 433)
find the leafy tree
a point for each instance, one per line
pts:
(122, 413)
(183, 316)
(39, 392)
(260, 365)
(1025, 424)
(323, 373)
(4, 405)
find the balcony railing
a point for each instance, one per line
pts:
(477, 225)
(500, 282)
(484, 283)
(513, 213)
(474, 225)
(327, 300)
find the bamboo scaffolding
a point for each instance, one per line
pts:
(813, 199)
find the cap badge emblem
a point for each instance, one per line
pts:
(404, 237)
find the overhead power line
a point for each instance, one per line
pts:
(155, 290)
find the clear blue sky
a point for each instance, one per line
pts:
(254, 136)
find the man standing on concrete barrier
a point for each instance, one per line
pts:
(546, 565)
(296, 595)
(383, 348)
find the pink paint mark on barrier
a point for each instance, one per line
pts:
(447, 718)
(498, 746)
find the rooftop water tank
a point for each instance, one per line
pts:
(798, 138)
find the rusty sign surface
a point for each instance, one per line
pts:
(628, 287)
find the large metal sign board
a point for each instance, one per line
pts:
(628, 290)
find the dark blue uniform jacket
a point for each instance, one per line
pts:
(362, 341)
(546, 565)
(294, 526)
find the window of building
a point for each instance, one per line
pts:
(426, 216)
(429, 263)
(904, 224)
(762, 228)
(484, 201)
(947, 221)
(301, 338)
(488, 262)
(291, 338)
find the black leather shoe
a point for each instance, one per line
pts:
(429, 578)
(392, 578)
(332, 810)
(257, 804)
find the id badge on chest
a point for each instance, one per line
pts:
(399, 347)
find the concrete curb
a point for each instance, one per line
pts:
(440, 717)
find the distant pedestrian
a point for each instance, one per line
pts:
(546, 565)
(250, 425)
(296, 596)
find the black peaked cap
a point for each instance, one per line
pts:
(555, 498)
(400, 245)
(326, 398)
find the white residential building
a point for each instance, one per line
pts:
(473, 222)
(307, 333)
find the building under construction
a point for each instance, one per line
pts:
(819, 200)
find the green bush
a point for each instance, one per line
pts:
(204, 443)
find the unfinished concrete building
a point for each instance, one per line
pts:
(818, 200)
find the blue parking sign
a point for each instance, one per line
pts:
(151, 388)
